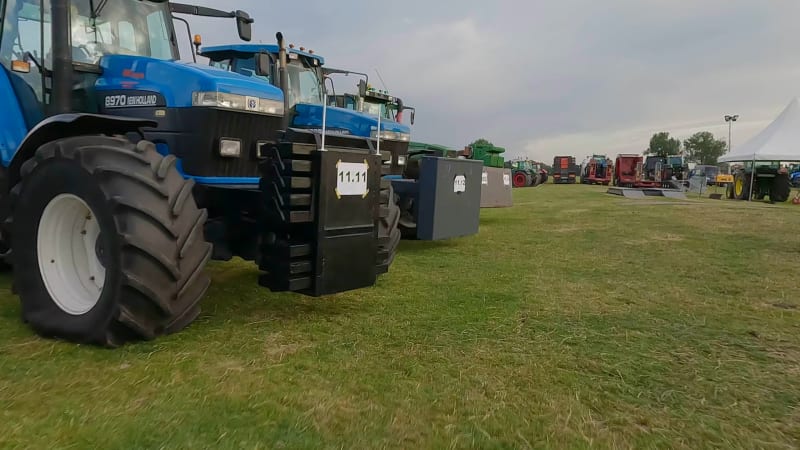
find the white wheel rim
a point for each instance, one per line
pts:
(68, 262)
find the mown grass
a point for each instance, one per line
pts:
(574, 319)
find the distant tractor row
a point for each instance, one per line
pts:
(769, 179)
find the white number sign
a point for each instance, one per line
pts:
(485, 178)
(506, 179)
(460, 184)
(351, 179)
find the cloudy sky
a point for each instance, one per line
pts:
(553, 77)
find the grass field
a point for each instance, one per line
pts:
(574, 319)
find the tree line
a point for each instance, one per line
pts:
(700, 148)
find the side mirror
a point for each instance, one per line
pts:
(413, 113)
(262, 64)
(244, 26)
(362, 88)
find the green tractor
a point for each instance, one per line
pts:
(525, 173)
(769, 179)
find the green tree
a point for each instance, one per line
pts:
(704, 148)
(663, 145)
(481, 141)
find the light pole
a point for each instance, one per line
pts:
(730, 120)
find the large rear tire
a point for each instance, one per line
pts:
(107, 242)
(741, 185)
(388, 233)
(781, 188)
(519, 179)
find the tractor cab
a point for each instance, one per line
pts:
(372, 102)
(678, 167)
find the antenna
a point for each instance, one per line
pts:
(324, 120)
(378, 149)
(381, 78)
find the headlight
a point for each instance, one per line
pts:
(238, 102)
(230, 148)
(392, 135)
(401, 160)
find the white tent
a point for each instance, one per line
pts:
(780, 141)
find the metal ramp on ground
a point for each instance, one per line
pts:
(646, 192)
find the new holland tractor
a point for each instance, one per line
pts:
(438, 198)
(298, 73)
(124, 171)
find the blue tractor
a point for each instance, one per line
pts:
(438, 198)
(794, 175)
(124, 171)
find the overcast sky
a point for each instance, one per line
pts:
(542, 78)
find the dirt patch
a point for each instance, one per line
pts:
(668, 237)
(277, 347)
(566, 229)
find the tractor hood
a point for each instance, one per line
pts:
(347, 121)
(173, 83)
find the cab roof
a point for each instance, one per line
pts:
(245, 50)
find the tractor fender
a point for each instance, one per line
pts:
(67, 125)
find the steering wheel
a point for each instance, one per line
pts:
(82, 53)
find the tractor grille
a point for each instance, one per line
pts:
(396, 148)
(199, 151)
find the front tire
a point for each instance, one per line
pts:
(107, 242)
(388, 233)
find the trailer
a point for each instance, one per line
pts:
(629, 172)
(565, 170)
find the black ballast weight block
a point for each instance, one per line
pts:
(317, 240)
(447, 197)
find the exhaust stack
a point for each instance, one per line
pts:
(283, 77)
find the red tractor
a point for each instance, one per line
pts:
(629, 172)
(598, 170)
